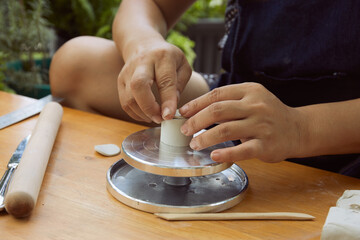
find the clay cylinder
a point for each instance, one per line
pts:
(170, 132)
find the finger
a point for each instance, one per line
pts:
(133, 115)
(127, 101)
(123, 97)
(140, 88)
(230, 92)
(133, 105)
(244, 151)
(215, 113)
(228, 131)
(166, 78)
(126, 106)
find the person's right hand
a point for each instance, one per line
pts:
(152, 61)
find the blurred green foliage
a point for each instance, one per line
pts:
(83, 17)
(201, 9)
(94, 18)
(24, 38)
(26, 30)
(184, 43)
(3, 85)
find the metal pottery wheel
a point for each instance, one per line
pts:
(156, 177)
(143, 150)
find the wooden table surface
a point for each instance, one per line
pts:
(74, 203)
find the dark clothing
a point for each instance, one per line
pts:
(305, 52)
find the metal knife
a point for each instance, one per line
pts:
(12, 165)
(27, 111)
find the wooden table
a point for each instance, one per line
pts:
(74, 203)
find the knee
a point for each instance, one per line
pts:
(65, 69)
(201, 84)
(196, 87)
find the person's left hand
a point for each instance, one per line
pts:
(268, 129)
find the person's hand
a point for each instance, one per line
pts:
(267, 128)
(153, 62)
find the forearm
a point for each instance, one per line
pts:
(331, 128)
(143, 19)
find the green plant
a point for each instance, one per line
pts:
(3, 85)
(94, 18)
(83, 17)
(200, 9)
(24, 40)
(184, 43)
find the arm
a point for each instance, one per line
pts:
(138, 31)
(270, 130)
(331, 128)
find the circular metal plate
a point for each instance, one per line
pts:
(148, 192)
(143, 150)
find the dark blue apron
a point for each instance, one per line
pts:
(305, 52)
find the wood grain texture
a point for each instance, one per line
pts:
(74, 204)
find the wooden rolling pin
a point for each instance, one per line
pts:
(25, 185)
(235, 216)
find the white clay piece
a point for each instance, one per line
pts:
(350, 200)
(343, 221)
(170, 132)
(107, 150)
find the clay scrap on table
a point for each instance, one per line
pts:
(343, 221)
(108, 150)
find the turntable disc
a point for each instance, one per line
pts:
(149, 192)
(144, 150)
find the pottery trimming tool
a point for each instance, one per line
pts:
(27, 111)
(159, 172)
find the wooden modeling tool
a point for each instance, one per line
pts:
(235, 216)
(25, 185)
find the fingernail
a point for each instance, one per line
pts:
(184, 130)
(156, 119)
(184, 109)
(215, 156)
(166, 114)
(194, 145)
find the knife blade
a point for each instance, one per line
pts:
(11, 166)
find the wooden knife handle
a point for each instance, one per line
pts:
(25, 185)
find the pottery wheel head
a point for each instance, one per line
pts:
(144, 151)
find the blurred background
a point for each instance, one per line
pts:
(32, 30)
